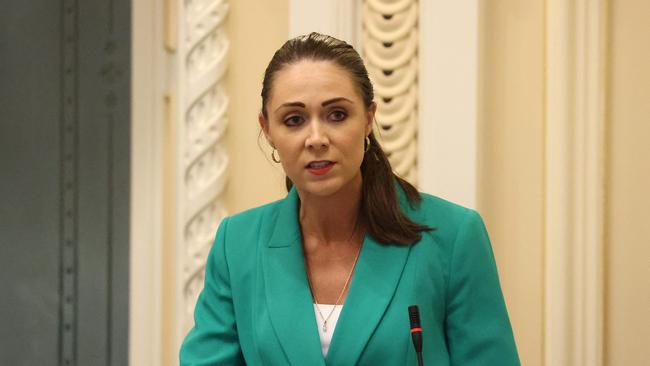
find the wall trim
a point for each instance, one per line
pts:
(145, 288)
(575, 89)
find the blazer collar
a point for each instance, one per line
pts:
(375, 280)
(287, 227)
(289, 300)
(288, 296)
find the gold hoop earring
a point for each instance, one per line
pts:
(367, 143)
(275, 159)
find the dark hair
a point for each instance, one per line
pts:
(379, 207)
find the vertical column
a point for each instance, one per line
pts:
(575, 69)
(390, 48)
(201, 158)
(147, 182)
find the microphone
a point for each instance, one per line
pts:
(416, 331)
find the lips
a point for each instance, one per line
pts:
(320, 167)
(318, 164)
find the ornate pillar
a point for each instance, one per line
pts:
(390, 48)
(197, 103)
(180, 164)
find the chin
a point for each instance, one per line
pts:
(321, 189)
(324, 188)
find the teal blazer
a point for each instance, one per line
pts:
(256, 307)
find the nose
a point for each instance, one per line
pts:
(317, 138)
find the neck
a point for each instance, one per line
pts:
(332, 218)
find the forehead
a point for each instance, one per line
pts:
(308, 79)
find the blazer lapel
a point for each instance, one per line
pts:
(287, 291)
(376, 277)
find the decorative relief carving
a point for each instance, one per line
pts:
(203, 156)
(202, 17)
(200, 129)
(199, 234)
(207, 55)
(390, 48)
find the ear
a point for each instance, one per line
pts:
(264, 125)
(370, 115)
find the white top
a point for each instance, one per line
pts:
(326, 336)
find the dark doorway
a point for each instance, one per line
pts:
(64, 187)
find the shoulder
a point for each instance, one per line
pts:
(447, 218)
(239, 235)
(243, 227)
(263, 214)
(437, 206)
(439, 211)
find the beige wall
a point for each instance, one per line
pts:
(255, 29)
(512, 173)
(510, 159)
(627, 265)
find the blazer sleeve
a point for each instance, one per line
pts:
(477, 326)
(213, 340)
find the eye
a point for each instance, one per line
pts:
(338, 115)
(294, 120)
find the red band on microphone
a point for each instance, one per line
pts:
(413, 330)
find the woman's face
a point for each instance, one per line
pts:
(318, 123)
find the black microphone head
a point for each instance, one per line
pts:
(414, 316)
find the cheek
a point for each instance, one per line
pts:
(288, 150)
(290, 156)
(355, 150)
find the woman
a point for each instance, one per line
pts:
(326, 275)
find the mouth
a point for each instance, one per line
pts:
(320, 167)
(319, 164)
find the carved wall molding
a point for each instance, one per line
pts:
(390, 48)
(179, 162)
(202, 161)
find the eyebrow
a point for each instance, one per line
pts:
(324, 104)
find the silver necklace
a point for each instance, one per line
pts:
(347, 281)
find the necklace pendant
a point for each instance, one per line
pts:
(325, 326)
